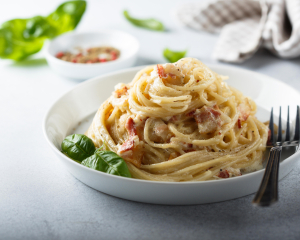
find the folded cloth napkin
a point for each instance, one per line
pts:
(246, 25)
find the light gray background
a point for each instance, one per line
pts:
(40, 200)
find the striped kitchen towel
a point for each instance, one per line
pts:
(245, 25)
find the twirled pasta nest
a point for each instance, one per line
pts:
(181, 122)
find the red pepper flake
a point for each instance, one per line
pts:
(59, 54)
(219, 133)
(74, 60)
(198, 80)
(102, 60)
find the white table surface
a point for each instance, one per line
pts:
(39, 199)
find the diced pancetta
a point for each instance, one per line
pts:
(223, 174)
(121, 89)
(161, 129)
(127, 145)
(229, 172)
(208, 119)
(130, 126)
(170, 74)
(132, 149)
(244, 109)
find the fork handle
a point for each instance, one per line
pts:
(267, 193)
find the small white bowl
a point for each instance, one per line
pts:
(126, 43)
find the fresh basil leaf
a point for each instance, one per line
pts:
(108, 162)
(66, 17)
(78, 147)
(150, 23)
(172, 56)
(20, 38)
(17, 41)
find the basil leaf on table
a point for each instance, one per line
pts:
(150, 23)
(172, 56)
(108, 162)
(20, 38)
(78, 147)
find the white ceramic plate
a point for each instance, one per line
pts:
(79, 105)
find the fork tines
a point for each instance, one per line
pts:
(278, 140)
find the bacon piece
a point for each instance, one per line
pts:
(161, 130)
(127, 145)
(162, 74)
(208, 119)
(223, 174)
(121, 91)
(135, 157)
(206, 113)
(245, 110)
(132, 149)
(161, 71)
(130, 126)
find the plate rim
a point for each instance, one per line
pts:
(142, 181)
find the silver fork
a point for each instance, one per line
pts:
(267, 193)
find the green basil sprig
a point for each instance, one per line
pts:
(173, 56)
(108, 162)
(20, 38)
(81, 149)
(150, 23)
(78, 147)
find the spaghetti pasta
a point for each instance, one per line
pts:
(181, 122)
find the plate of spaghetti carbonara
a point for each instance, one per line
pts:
(179, 131)
(181, 122)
